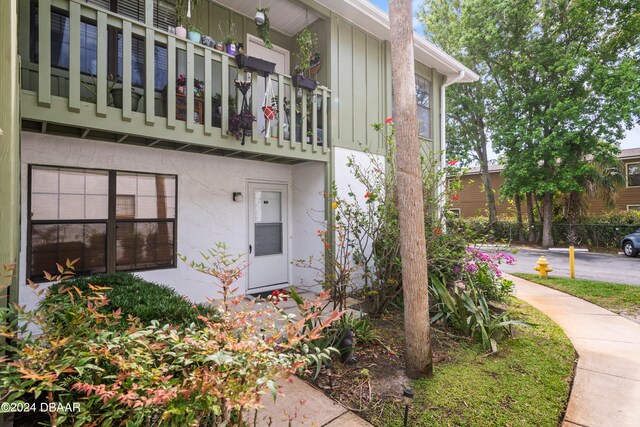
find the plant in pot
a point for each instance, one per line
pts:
(229, 37)
(194, 34)
(240, 123)
(305, 42)
(286, 105)
(181, 19)
(263, 27)
(116, 95)
(316, 63)
(216, 104)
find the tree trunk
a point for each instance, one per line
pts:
(418, 357)
(547, 212)
(481, 151)
(531, 221)
(518, 203)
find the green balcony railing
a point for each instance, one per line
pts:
(308, 136)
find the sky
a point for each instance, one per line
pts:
(632, 137)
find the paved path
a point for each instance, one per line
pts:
(304, 405)
(606, 387)
(589, 265)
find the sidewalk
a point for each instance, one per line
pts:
(606, 387)
(304, 405)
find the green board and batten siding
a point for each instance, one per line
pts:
(9, 140)
(361, 84)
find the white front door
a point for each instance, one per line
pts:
(268, 236)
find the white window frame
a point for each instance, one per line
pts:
(635, 162)
(457, 210)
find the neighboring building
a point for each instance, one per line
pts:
(473, 201)
(124, 182)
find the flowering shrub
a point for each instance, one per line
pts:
(198, 86)
(198, 374)
(483, 271)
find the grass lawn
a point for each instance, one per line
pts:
(622, 299)
(525, 384)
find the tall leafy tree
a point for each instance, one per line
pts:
(468, 105)
(567, 78)
(418, 354)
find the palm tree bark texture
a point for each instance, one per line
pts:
(418, 354)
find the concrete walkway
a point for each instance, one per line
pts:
(303, 405)
(606, 387)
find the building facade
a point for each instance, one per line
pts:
(473, 202)
(121, 144)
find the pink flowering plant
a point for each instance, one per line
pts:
(483, 271)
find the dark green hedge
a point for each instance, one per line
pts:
(136, 297)
(604, 231)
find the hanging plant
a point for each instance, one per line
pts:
(306, 40)
(262, 26)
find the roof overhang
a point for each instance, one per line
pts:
(370, 18)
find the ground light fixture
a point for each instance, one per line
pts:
(407, 398)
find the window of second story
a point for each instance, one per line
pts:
(164, 16)
(423, 97)
(633, 174)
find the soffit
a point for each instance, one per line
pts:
(285, 16)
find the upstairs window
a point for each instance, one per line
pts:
(633, 174)
(110, 220)
(423, 99)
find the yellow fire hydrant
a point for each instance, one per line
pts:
(542, 267)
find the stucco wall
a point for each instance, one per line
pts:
(206, 211)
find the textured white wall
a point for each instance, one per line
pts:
(308, 217)
(206, 211)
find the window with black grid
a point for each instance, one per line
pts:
(109, 220)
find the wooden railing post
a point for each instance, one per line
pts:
(171, 82)
(292, 119)
(207, 104)
(189, 94)
(325, 123)
(304, 112)
(282, 115)
(101, 60)
(224, 120)
(314, 121)
(126, 70)
(149, 76)
(74, 57)
(44, 52)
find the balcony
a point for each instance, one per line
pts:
(77, 99)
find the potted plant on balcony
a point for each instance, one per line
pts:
(181, 99)
(229, 37)
(286, 105)
(194, 34)
(116, 96)
(216, 104)
(306, 42)
(181, 18)
(263, 27)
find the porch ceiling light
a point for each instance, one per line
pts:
(238, 197)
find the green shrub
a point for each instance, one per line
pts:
(205, 374)
(469, 313)
(133, 296)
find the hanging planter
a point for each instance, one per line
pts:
(303, 82)
(263, 27)
(316, 64)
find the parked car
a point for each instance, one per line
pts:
(631, 244)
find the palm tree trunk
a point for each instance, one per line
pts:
(418, 356)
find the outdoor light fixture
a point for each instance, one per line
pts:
(407, 398)
(238, 197)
